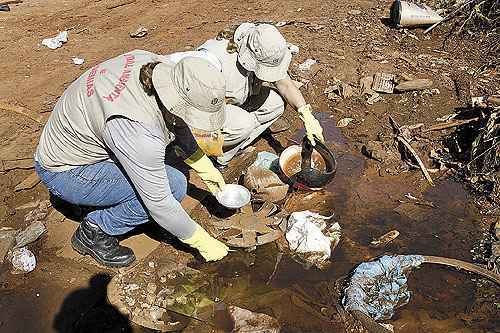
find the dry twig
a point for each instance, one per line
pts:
(449, 125)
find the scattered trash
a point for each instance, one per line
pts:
(249, 229)
(383, 82)
(365, 84)
(233, 196)
(354, 12)
(374, 97)
(30, 234)
(23, 261)
(306, 65)
(4, 8)
(447, 117)
(267, 160)
(385, 239)
(57, 41)
(409, 14)
(78, 61)
(264, 184)
(280, 24)
(377, 151)
(311, 238)
(179, 289)
(375, 289)
(7, 241)
(294, 49)
(344, 122)
(339, 90)
(346, 90)
(485, 101)
(246, 321)
(39, 212)
(418, 201)
(419, 84)
(399, 136)
(139, 32)
(378, 287)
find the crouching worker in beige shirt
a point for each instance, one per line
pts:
(104, 147)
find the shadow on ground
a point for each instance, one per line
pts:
(87, 310)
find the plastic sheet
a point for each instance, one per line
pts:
(57, 41)
(312, 238)
(378, 287)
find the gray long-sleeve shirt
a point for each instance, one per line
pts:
(140, 149)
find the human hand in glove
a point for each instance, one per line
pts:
(210, 248)
(212, 177)
(311, 124)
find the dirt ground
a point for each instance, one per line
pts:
(349, 40)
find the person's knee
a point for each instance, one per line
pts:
(178, 183)
(272, 109)
(275, 103)
(238, 126)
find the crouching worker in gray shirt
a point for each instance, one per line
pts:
(104, 146)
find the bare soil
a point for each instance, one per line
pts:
(349, 40)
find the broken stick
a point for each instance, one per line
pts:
(399, 137)
(416, 157)
(449, 125)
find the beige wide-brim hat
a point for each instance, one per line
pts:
(193, 90)
(263, 50)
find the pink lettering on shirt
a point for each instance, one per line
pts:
(121, 85)
(89, 81)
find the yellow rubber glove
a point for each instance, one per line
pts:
(212, 177)
(210, 248)
(311, 124)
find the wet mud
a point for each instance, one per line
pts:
(368, 206)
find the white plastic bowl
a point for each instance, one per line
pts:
(233, 196)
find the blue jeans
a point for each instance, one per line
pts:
(104, 185)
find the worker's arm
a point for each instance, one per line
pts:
(292, 95)
(140, 150)
(289, 91)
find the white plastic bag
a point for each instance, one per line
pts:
(311, 237)
(23, 260)
(57, 41)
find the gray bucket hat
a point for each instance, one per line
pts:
(193, 90)
(263, 50)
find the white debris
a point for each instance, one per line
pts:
(306, 65)
(344, 122)
(78, 61)
(23, 260)
(246, 321)
(280, 24)
(447, 117)
(57, 41)
(311, 237)
(139, 32)
(294, 49)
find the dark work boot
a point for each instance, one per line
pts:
(90, 239)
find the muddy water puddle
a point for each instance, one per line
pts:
(367, 207)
